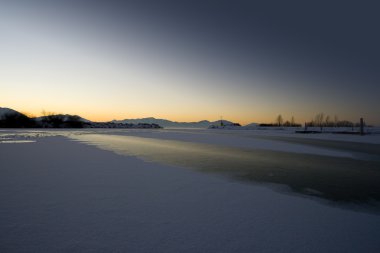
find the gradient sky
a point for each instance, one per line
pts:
(191, 60)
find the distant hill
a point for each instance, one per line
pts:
(10, 118)
(7, 111)
(64, 117)
(167, 123)
(251, 126)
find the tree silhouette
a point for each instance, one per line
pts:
(327, 121)
(279, 120)
(292, 121)
(319, 120)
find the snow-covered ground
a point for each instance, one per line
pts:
(61, 195)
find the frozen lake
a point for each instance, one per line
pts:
(188, 191)
(352, 179)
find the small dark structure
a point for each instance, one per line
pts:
(308, 132)
(361, 126)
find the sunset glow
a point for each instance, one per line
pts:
(127, 61)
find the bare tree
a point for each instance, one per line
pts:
(319, 120)
(292, 122)
(336, 120)
(327, 121)
(279, 120)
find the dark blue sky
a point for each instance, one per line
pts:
(294, 57)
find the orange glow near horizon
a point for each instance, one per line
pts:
(105, 115)
(72, 67)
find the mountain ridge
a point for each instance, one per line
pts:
(149, 120)
(5, 111)
(41, 118)
(169, 123)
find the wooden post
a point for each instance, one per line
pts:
(361, 126)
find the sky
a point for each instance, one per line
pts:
(247, 61)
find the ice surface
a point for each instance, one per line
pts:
(58, 195)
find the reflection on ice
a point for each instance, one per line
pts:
(17, 141)
(342, 180)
